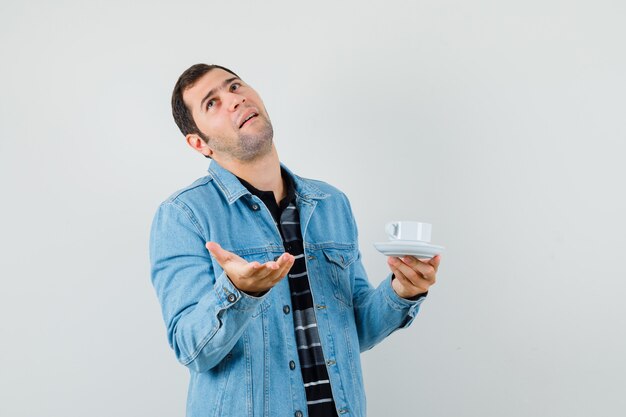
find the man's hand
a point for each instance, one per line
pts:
(251, 277)
(412, 276)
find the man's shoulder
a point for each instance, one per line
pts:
(323, 186)
(190, 192)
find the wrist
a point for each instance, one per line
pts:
(400, 291)
(255, 293)
(245, 291)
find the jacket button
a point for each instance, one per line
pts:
(232, 298)
(298, 413)
(343, 411)
(286, 309)
(292, 365)
(255, 207)
(330, 362)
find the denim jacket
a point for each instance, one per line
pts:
(238, 347)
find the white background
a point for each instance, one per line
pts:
(499, 122)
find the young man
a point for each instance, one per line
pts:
(258, 270)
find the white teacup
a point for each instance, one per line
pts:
(409, 230)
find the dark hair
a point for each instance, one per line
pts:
(180, 111)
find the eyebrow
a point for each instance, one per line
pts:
(213, 90)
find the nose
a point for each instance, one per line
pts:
(235, 101)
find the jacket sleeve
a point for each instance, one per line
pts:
(205, 315)
(378, 312)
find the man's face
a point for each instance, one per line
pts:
(221, 105)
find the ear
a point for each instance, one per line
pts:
(198, 144)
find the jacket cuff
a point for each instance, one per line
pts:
(230, 296)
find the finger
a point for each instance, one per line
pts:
(262, 271)
(252, 270)
(406, 284)
(409, 272)
(270, 268)
(423, 268)
(407, 267)
(285, 261)
(434, 261)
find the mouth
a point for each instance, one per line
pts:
(248, 118)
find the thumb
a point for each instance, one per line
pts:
(435, 261)
(218, 253)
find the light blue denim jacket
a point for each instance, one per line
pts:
(238, 347)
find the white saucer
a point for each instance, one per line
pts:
(415, 248)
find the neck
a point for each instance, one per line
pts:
(262, 173)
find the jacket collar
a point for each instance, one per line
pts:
(233, 189)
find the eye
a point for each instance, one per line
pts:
(234, 86)
(209, 104)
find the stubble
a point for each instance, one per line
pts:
(247, 146)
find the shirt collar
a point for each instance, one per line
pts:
(233, 189)
(265, 195)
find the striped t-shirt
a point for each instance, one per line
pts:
(319, 396)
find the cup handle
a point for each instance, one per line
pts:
(392, 230)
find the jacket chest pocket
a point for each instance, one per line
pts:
(339, 266)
